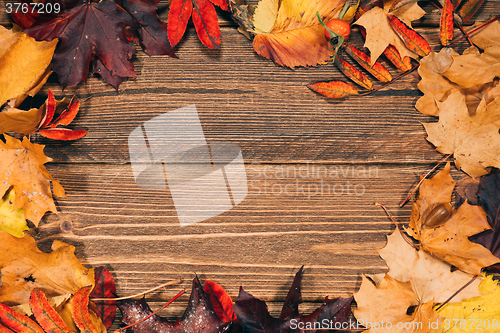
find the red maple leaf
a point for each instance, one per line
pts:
(204, 19)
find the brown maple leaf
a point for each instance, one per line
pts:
(295, 36)
(473, 140)
(384, 307)
(24, 267)
(23, 169)
(449, 241)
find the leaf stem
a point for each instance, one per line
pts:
(423, 178)
(170, 283)
(152, 314)
(390, 82)
(456, 293)
(403, 234)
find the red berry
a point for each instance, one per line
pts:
(338, 26)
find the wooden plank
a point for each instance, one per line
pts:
(241, 98)
(258, 244)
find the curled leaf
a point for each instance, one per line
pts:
(65, 134)
(333, 89)
(446, 24)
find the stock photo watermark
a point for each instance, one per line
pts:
(310, 180)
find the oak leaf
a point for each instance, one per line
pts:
(473, 140)
(12, 220)
(24, 66)
(23, 169)
(296, 37)
(449, 241)
(478, 314)
(380, 34)
(24, 268)
(431, 278)
(384, 307)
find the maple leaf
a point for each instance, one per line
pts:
(478, 314)
(473, 140)
(90, 29)
(24, 66)
(24, 268)
(431, 278)
(204, 19)
(383, 307)
(449, 241)
(12, 220)
(23, 170)
(296, 37)
(198, 317)
(380, 34)
(254, 316)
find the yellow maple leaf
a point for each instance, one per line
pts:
(24, 66)
(296, 37)
(449, 241)
(478, 314)
(24, 268)
(473, 140)
(12, 220)
(22, 168)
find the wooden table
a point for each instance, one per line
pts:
(375, 142)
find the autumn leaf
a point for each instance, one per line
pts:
(204, 19)
(199, 315)
(296, 37)
(377, 69)
(20, 121)
(24, 268)
(254, 316)
(104, 288)
(45, 314)
(18, 322)
(23, 169)
(220, 300)
(12, 220)
(446, 23)
(389, 303)
(80, 310)
(478, 314)
(90, 29)
(333, 89)
(24, 66)
(449, 241)
(380, 34)
(353, 73)
(474, 140)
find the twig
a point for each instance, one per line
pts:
(170, 283)
(390, 82)
(144, 319)
(459, 290)
(474, 30)
(404, 235)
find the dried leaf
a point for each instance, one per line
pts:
(80, 310)
(379, 34)
(449, 241)
(393, 55)
(18, 322)
(446, 23)
(65, 134)
(24, 268)
(333, 89)
(473, 140)
(265, 15)
(104, 288)
(377, 69)
(388, 303)
(23, 67)
(12, 220)
(4, 329)
(221, 301)
(432, 279)
(412, 40)
(479, 314)
(45, 314)
(353, 73)
(296, 38)
(468, 8)
(23, 169)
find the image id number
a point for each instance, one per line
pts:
(33, 8)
